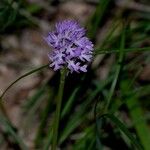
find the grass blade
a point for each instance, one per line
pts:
(21, 77)
(10, 130)
(32, 101)
(97, 17)
(140, 124)
(44, 117)
(118, 69)
(70, 101)
(124, 129)
(97, 52)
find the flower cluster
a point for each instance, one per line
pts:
(71, 48)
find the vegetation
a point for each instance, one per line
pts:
(98, 111)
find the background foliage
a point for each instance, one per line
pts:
(106, 108)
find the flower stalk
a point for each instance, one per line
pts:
(58, 109)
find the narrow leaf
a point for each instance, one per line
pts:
(124, 129)
(21, 77)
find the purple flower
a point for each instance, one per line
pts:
(71, 48)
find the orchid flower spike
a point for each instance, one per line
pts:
(70, 47)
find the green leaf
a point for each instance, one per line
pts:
(11, 132)
(33, 8)
(138, 121)
(73, 123)
(33, 99)
(118, 69)
(44, 117)
(135, 110)
(103, 51)
(21, 77)
(97, 17)
(69, 103)
(124, 129)
(87, 136)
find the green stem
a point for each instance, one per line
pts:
(58, 109)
